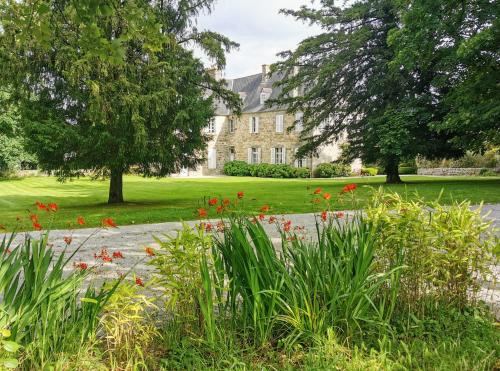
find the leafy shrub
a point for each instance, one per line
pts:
(331, 170)
(369, 171)
(445, 249)
(237, 168)
(260, 170)
(490, 159)
(282, 171)
(405, 170)
(303, 172)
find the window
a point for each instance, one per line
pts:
(232, 154)
(211, 127)
(264, 97)
(212, 158)
(279, 123)
(299, 162)
(232, 125)
(299, 121)
(254, 155)
(254, 125)
(278, 155)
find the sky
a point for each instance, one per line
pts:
(259, 29)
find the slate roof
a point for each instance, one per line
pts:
(252, 86)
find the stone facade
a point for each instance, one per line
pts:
(260, 135)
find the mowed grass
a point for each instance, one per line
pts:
(173, 199)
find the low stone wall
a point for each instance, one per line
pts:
(444, 171)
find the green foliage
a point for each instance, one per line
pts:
(445, 250)
(369, 171)
(237, 168)
(489, 159)
(41, 304)
(264, 170)
(121, 88)
(331, 170)
(407, 170)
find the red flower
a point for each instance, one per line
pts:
(220, 209)
(68, 240)
(213, 201)
(272, 219)
(226, 202)
(139, 282)
(262, 217)
(240, 195)
(53, 207)
(327, 196)
(202, 213)
(34, 218)
(104, 256)
(208, 227)
(287, 225)
(81, 266)
(37, 226)
(324, 216)
(265, 208)
(339, 214)
(150, 251)
(80, 220)
(118, 255)
(40, 205)
(220, 226)
(317, 191)
(108, 222)
(349, 188)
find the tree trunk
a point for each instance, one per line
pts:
(116, 187)
(392, 172)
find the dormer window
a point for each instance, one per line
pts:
(211, 127)
(265, 94)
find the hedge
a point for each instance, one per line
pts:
(264, 170)
(329, 170)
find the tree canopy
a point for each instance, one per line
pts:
(382, 73)
(106, 86)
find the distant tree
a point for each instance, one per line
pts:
(109, 85)
(454, 46)
(13, 155)
(348, 82)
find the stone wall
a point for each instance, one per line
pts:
(448, 171)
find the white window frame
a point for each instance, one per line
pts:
(280, 123)
(254, 125)
(299, 162)
(299, 122)
(211, 127)
(254, 155)
(278, 155)
(232, 153)
(232, 125)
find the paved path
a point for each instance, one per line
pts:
(132, 240)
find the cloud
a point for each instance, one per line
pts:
(259, 29)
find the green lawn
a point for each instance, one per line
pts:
(152, 200)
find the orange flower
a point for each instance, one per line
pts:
(202, 213)
(80, 220)
(208, 227)
(265, 208)
(139, 282)
(104, 256)
(68, 240)
(339, 214)
(37, 226)
(118, 255)
(272, 219)
(40, 205)
(213, 201)
(53, 207)
(324, 216)
(108, 222)
(262, 217)
(317, 191)
(34, 218)
(220, 226)
(150, 251)
(287, 226)
(327, 196)
(81, 266)
(226, 202)
(349, 188)
(220, 209)
(240, 195)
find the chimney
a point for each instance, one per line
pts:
(265, 72)
(215, 73)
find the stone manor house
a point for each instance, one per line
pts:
(260, 134)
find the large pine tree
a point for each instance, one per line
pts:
(349, 84)
(105, 86)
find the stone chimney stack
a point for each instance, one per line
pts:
(265, 72)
